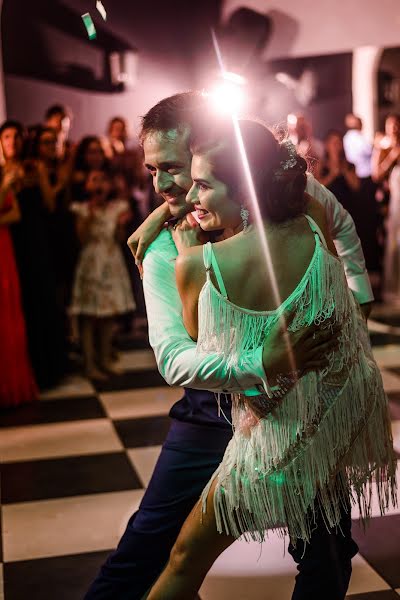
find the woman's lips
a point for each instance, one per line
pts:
(201, 213)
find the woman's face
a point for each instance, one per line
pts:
(334, 145)
(94, 155)
(11, 142)
(98, 185)
(392, 127)
(47, 146)
(210, 197)
(118, 131)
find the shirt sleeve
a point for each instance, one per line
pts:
(346, 240)
(176, 353)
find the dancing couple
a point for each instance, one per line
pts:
(308, 437)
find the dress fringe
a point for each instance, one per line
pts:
(329, 435)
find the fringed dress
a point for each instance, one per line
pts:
(325, 436)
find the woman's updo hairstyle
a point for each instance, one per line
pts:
(278, 172)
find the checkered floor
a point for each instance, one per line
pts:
(74, 468)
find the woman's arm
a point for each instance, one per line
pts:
(49, 191)
(330, 175)
(350, 175)
(13, 214)
(382, 162)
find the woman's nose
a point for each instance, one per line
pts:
(191, 196)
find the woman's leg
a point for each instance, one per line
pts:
(87, 340)
(106, 326)
(198, 545)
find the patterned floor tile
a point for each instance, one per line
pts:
(137, 360)
(144, 461)
(131, 380)
(147, 431)
(396, 435)
(58, 478)
(382, 595)
(364, 578)
(71, 386)
(379, 545)
(67, 525)
(59, 410)
(53, 440)
(391, 381)
(394, 405)
(66, 577)
(140, 403)
(375, 508)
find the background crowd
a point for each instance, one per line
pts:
(66, 209)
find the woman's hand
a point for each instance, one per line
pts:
(187, 233)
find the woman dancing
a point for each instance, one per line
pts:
(301, 449)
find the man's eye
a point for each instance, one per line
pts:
(202, 187)
(174, 170)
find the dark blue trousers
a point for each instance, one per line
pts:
(187, 460)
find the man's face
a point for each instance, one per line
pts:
(168, 159)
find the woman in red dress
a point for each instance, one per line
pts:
(17, 383)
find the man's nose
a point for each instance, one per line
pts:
(162, 182)
(191, 196)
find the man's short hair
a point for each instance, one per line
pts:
(56, 109)
(174, 112)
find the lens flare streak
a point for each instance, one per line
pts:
(256, 210)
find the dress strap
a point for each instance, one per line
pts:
(316, 229)
(210, 262)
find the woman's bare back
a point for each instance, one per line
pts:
(244, 266)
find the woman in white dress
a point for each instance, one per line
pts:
(308, 442)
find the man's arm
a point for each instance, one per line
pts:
(176, 353)
(347, 242)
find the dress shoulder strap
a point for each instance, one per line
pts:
(210, 262)
(316, 229)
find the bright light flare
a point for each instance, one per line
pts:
(228, 96)
(252, 194)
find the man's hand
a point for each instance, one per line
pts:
(144, 235)
(306, 349)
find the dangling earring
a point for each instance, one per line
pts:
(244, 214)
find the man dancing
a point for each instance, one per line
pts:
(198, 435)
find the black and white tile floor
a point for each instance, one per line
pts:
(75, 466)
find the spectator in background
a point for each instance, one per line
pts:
(122, 192)
(300, 133)
(101, 288)
(89, 156)
(17, 382)
(59, 117)
(358, 151)
(386, 168)
(124, 154)
(357, 148)
(33, 253)
(336, 173)
(54, 176)
(115, 141)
